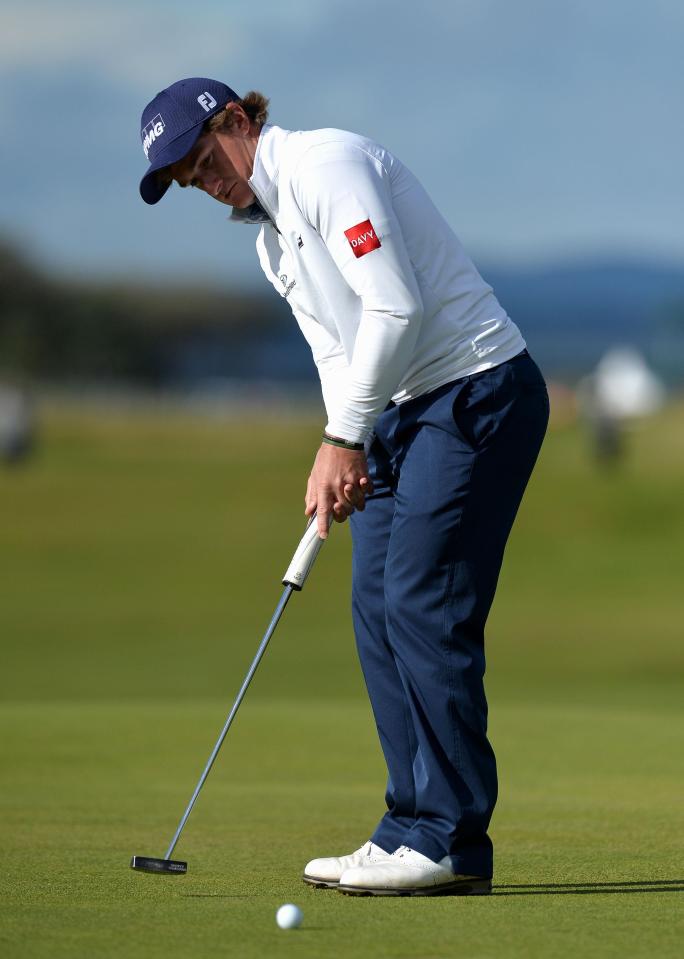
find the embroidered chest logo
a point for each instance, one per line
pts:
(362, 238)
(288, 286)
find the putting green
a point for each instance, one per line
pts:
(141, 564)
(586, 836)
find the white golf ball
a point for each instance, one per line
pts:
(289, 916)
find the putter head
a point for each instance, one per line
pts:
(168, 866)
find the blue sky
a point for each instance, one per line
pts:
(543, 130)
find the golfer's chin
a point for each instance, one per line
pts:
(238, 198)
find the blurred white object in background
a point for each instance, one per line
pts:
(624, 386)
(16, 424)
(621, 389)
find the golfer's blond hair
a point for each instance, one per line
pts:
(254, 104)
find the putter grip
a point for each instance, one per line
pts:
(305, 554)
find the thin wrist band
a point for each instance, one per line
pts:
(343, 444)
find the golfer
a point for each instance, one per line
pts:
(435, 416)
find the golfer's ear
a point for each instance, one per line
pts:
(241, 122)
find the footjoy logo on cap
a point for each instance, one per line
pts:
(362, 238)
(151, 132)
(206, 101)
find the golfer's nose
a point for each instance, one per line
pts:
(210, 183)
(215, 187)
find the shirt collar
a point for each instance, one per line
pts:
(252, 214)
(264, 178)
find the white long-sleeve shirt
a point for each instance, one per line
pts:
(379, 284)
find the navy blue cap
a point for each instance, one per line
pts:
(171, 124)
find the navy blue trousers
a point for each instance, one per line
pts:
(449, 469)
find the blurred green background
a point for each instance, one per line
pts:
(143, 553)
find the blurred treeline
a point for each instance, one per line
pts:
(62, 331)
(54, 329)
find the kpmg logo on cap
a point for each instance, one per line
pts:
(206, 101)
(154, 129)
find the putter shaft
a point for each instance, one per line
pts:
(287, 592)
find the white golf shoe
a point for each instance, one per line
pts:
(409, 873)
(325, 873)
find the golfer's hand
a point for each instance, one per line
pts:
(338, 484)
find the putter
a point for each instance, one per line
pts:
(293, 580)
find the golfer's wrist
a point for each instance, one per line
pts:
(341, 443)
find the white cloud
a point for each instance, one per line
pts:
(138, 44)
(132, 46)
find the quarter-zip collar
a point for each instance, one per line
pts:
(252, 215)
(264, 178)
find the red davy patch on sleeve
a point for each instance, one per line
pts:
(362, 238)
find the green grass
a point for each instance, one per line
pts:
(140, 565)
